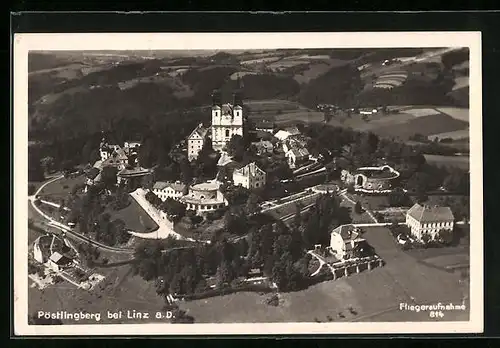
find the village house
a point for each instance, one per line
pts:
(93, 176)
(344, 240)
(283, 134)
(297, 156)
(195, 141)
(164, 190)
(426, 219)
(263, 147)
(58, 261)
(249, 176)
(265, 126)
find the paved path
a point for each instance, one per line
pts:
(165, 228)
(67, 229)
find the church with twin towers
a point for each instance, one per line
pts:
(227, 120)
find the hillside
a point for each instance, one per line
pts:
(74, 95)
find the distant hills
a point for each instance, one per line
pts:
(84, 93)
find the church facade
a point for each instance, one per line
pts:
(227, 120)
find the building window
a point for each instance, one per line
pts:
(227, 132)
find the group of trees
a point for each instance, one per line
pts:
(271, 246)
(175, 210)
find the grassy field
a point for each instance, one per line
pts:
(457, 113)
(119, 291)
(459, 134)
(135, 218)
(374, 295)
(304, 116)
(425, 125)
(62, 188)
(449, 161)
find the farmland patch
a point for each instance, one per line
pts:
(448, 161)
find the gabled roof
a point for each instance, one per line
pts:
(347, 232)
(176, 186)
(426, 213)
(264, 125)
(198, 132)
(250, 169)
(299, 151)
(227, 109)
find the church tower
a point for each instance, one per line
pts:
(227, 120)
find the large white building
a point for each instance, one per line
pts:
(425, 219)
(249, 176)
(164, 190)
(227, 120)
(195, 141)
(204, 197)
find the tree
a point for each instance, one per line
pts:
(426, 238)
(175, 209)
(236, 147)
(398, 198)
(108, 177)
(225, 274)
(35, 170)
(445, 236)
(358, 209)
(252, 205)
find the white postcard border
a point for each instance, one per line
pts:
(23, 43)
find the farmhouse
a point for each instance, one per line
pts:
(250, 176)
(195, 141)
(344, 240)
(164, 190)
(93, 176)
(296, 156)
(204, 197)
(57, 261)
(425, 219)
(370, 179)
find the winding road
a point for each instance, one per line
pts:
(67, 230)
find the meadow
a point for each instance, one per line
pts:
(449, 161)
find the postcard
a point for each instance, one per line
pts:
(247, 183)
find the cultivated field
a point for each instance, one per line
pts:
(448, 161)
(457, 113)
(459, 134)
(418, 112)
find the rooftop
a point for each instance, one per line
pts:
(206, 186)
(348, 232)
(426, 213)
(250, 169)
(177, 186)
(138, 171)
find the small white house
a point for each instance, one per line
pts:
(343, 241)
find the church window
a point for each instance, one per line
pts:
(227, 132)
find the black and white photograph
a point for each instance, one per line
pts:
(244, 183)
